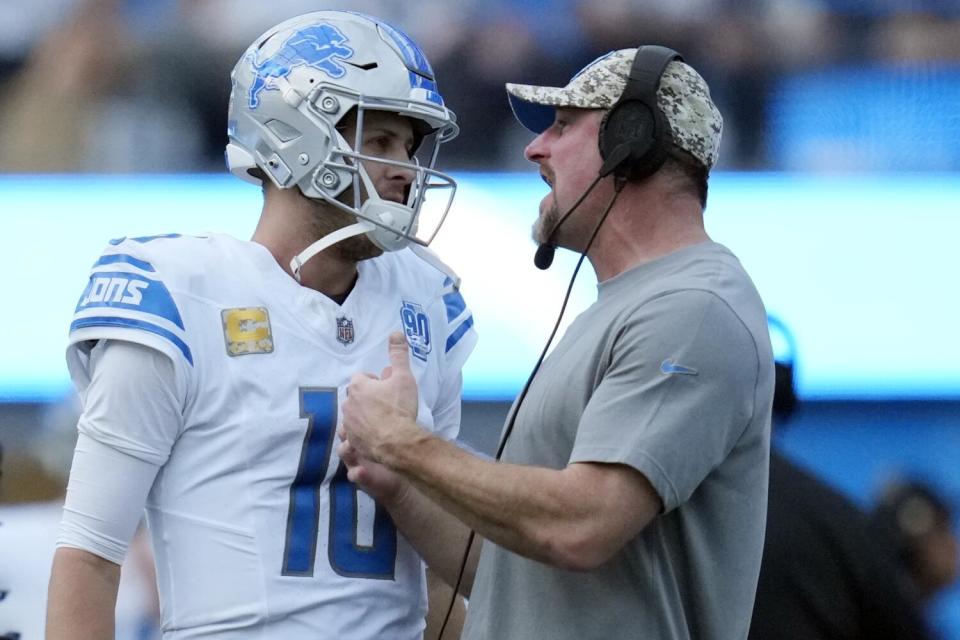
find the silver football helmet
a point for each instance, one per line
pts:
(293, 87)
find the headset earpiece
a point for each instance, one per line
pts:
(634, 134)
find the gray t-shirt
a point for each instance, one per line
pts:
(670, 371)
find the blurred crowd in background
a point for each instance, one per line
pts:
(127, 86)
(142, 85)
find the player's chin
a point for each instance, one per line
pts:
(358, 248)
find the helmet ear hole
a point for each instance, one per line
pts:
(283, 131)
(242, 164)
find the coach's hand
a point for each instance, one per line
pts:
(382, 484)
(380, 415)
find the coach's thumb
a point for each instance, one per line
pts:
(399, 352)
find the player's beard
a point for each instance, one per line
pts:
(327, 219)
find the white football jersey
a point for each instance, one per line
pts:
(257, 531)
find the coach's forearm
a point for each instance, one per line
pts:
(572, 518)
(437, 536)
(82, 596)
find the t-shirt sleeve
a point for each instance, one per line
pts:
(676, 395)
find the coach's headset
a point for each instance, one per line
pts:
(635, 136)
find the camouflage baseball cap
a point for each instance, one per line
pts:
(683, 97)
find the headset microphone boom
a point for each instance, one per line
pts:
(544, 256)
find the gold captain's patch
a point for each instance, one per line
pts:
(247, 331)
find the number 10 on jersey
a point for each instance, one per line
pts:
(346, 556)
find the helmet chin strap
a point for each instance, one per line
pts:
(330, 239)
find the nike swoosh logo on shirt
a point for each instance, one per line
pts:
(668, 366)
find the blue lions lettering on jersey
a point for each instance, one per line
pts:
(317, 46)
(128, 291)
(124, 293)
(416, 326)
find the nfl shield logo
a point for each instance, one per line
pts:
(344, 330)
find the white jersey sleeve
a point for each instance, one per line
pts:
(130, 360)
(447, 411)
(128, 297)
(458, 339)
(461, 336)
(125, 436)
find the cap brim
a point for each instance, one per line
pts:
(534, 107)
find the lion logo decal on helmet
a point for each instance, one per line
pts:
(318, 46)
